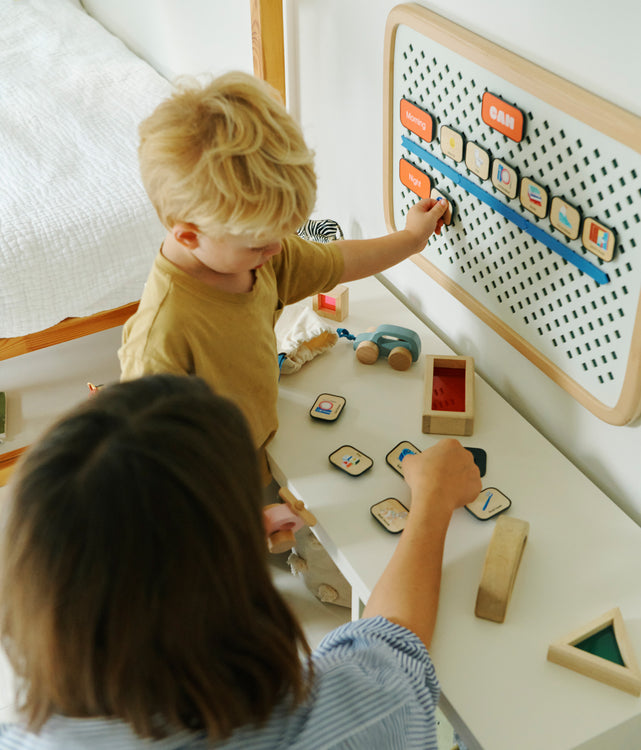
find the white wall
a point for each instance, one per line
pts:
(335, 86)
(181, 37)
(338, 94)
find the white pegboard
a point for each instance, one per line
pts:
(573, 314)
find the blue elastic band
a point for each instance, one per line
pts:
(496, 205)
(343, 333)
(281, 358)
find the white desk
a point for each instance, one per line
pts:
(582, 557)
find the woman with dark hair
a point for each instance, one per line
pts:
(137, 608)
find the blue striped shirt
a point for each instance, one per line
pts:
(375, 687)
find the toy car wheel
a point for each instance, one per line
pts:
(367, 352)
(400, 358)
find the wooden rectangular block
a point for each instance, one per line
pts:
(501, 565)
(333, 304)
(448, 407)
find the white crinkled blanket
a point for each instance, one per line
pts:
(77, 232)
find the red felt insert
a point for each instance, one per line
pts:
(448, 389)
(326, 302)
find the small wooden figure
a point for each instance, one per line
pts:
(283, 520)
(333, 304)
(448, 407)
(601, 650)
(500, 568)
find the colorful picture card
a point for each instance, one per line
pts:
(327, 407)
(350, 460)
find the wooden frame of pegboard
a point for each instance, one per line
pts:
(611, 391)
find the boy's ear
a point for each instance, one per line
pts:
(186, 235)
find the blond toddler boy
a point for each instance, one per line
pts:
(231, 178)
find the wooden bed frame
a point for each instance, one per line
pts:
(269, 64)
(68, 329)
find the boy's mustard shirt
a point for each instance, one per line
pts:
(184, 326)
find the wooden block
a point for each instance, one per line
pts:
(333, 304)
(297, 506)
(448, 407)
(500, 568)
(280, 541)
(281, 523)
(574, 652)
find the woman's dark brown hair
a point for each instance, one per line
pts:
(134, 580)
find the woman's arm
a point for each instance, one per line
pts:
(441, 479)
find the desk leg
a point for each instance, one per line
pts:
(358, 604)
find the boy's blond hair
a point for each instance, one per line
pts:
(227, 157)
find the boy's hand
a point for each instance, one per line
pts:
(424, 218)
(444, 474)
(366, 257)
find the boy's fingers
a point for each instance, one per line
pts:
(427, 204)
(441, 205)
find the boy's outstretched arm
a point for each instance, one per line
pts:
(441, 479)
(366, 257)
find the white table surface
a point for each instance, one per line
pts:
(582, 557)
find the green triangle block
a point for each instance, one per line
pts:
(603, 644)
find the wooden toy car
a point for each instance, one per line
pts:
(400, 345)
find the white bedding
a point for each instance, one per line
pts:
(77, 232)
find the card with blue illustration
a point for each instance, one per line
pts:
(395, 457)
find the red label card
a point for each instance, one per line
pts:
(418, 182)
(416, 120)
(501, 116)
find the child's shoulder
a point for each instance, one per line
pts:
(297, 248)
